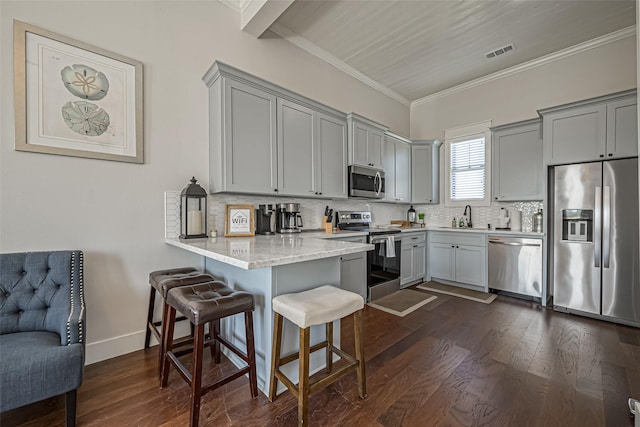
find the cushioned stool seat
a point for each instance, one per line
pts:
(201, 304)
(161, 282)
(317, 306)
(324, 304)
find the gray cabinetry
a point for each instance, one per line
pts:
(413, 259)
(353, 269)
(622, 128)
(297, 150)
(242, 139)
(459, 258)
(332, 146)
(425, 166)
(594, 129)
(265, 139)
(397, 168)
(365, 141)
(517, 161)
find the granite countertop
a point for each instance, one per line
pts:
(269, 251)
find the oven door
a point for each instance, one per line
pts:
(366, 182)
(381, 268)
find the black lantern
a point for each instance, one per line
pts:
(193, 211)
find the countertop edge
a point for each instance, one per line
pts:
(345, 248)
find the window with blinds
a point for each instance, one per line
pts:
(467, 169)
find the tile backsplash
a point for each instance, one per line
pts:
(313, 209)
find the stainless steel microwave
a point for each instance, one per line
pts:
(366, 182)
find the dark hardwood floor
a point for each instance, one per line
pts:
(452, 362)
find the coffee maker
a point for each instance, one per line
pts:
(288, 218)
(263, 219)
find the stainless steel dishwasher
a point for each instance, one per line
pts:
(515, 266)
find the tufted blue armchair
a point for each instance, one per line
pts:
(42, 321)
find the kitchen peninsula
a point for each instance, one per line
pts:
(268, 266)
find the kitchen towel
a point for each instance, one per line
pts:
(388, 249)
(391, 247)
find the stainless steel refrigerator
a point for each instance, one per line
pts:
(594, 257)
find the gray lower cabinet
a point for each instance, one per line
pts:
(517, 165)
(397, 169)
(353, 269)
(413, 258)
(366, 140)
(590, 130)
(425, 166)
(267, 140)
(459, 258)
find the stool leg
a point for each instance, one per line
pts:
(275, 354)
(196, 376)
(359, 347)
(215, 350)
(167, 344)
(303, 378)
(251, 352)
(163, 335)
(329, 328)
(152, 304)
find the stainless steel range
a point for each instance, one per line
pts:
(383, 263)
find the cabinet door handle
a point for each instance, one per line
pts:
(610, 154)
(275, 189)
(601, 155)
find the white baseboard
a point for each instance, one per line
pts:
(117, 346)
(113, 347)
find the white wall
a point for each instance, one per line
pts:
(599, 71)
(114, 211)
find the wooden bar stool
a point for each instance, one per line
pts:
(314, 307)
(161, 282)
(201, 304)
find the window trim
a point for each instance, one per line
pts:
(473, 130)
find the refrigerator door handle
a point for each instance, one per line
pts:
(606, 226)
(597, 232)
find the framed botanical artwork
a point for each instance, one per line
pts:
(75, 99)
(239, 220)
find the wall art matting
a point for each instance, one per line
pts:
(75, 99)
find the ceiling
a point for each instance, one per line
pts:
(414, 49)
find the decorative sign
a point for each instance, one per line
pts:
(239, 220)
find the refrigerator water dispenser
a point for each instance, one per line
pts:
(577, 225)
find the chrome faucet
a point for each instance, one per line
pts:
(469, 224)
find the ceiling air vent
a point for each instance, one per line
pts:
(501, 51)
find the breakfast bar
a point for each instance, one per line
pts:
(268, 266)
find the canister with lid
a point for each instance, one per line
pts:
(537, 221)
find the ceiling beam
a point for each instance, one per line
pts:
(259, 15)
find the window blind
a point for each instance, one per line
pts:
(467, 168)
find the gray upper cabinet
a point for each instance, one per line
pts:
(517, 165)
(425, 166)
(243, 139)
(297, 151)
(265, 139)
(622, 128)
(397, 168)
(594, 129)
(366, 140)
(332, 147)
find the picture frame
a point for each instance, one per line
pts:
(239, 220)
(75, 99)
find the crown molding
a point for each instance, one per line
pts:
(556, 56)
(237, 5)
(314, 50)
